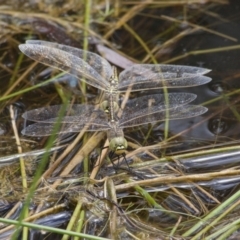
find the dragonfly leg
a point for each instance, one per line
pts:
(118, 157)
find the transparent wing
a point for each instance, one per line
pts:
(51, 113)
(87, 66)
(132, 118)
(154, 76)
(45, 129)
(174, 99)
(77, 117)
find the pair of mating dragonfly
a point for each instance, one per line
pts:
(96, 71)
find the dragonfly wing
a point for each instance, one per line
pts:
(156, 114)
(99, 64)
(45, 129)
(51, 113)
(174, 99)
(94, 70)
(154, 76)
(78, 117)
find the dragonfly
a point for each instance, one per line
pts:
(97, 72)
(139, 111)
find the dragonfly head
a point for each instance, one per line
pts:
(118, 145)
(105, 106)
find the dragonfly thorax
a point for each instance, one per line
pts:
(110, 102)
